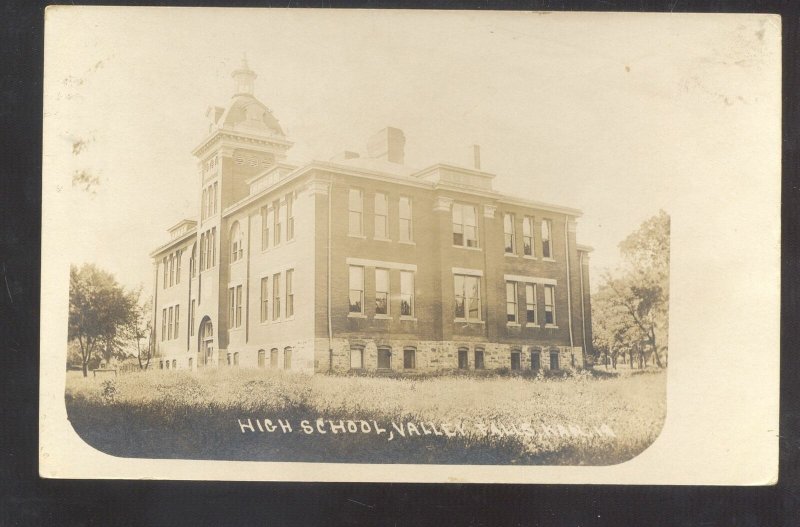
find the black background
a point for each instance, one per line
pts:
(25, 499)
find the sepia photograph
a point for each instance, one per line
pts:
(387, 238)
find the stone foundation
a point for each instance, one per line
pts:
(436, 356)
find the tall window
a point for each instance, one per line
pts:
(273, 358)
(549, 304)
(213, 247)
(289, 216)
(169, 322)
(511, 301)
(530, 303)
(479, 365)
(547, 226)
(381, 215)
(356, 209)
(276, 296)
(193, 261)
(192, 308)
(276, 212)
(356, 357)
(527, 236)
(463, 358)
(214, 199)
(264, 299)
(204, 204)
(409, 358)
(406, 293)
(231, 307)
(356, 289)
(177, 320)
(465, 230)
(289, 293)
(163, 323)
(238, 306)
(262, 358)
(536, 359)
(406, 232)
(202, 252)
(515, 359)
(508, 233)
(178, 255)
(468, 298)
(554, 359)
(381, 291)
(171, 270)
(236, 242)
(264, 227)
(287, 358)
(165, 264)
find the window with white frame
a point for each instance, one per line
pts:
(171, 270)
(177, 321)
(165, 265)
(549, 304)
(276, 296)
(406, 228)
(508, 233)
(164, 324)
(192, 308)
(465, 225)
(406, 293)
(236, 242)
(527, 236)
(238, 306)
(289, 216)
(265, 219)
(170, 321)
(264, 298)
(381, 216)
(289, 293)
(203, 252)
(468, 297)
(511, 302)
(204, 204)
(355, 212)
(381, 291)
(547, 227)
(178, 255)
(356, 289)
(231, 307)
(530, 303)
(276, 209)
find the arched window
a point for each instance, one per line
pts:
(161, 365)
(479, 364)
(193, 261)
(191, 362)
(167, 363)
(236, 242)
(287, 358)
(554, 365)
(409, 358)
(536, 358)
(463, 358)
(356, 357)
(515, 362)
(236, 358)
(174, 364)
(229, 358)
(384, 358)
(273, 358)
(262, 358)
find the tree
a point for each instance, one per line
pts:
(140, 328)
(631, 305)
(99, 311)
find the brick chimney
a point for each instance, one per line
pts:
(388, 144)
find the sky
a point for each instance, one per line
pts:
(619, 115)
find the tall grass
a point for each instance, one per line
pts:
(186, 415)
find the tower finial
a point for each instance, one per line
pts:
(243, 78)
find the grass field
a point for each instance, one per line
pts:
(584, 419)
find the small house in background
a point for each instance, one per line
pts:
(362, 262)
